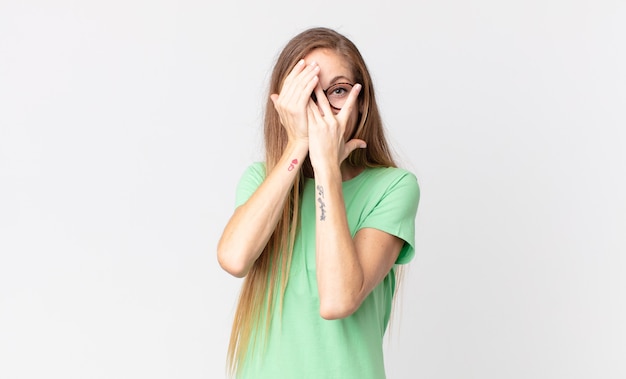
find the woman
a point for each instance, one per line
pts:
(320, 226)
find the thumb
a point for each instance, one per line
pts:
(352, 145)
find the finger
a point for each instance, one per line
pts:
(289, 83)
(312, 115)
(309, 87)
(296, 70)
(322, 101)
(315, 112)
(286, 88)
(307, 81)
(308, 72)
(351, 101)
(298, 86)
(352, 145)
(301, 73)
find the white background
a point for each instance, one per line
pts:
(125, 125)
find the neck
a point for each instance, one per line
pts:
(348, 171)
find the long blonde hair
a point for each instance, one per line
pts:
(267, 279)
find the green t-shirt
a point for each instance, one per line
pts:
(301, 344)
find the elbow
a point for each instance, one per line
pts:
(236, 270)
(233, 266)
(337, 310)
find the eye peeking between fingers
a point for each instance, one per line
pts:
(337, 94)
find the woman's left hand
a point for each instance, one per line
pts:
(327, 130)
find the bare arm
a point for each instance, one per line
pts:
(347, 269)
(252, 223)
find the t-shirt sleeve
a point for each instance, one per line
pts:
(251, 179)
(395, 213)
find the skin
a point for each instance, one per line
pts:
(348, 268)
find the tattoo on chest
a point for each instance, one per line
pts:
(320, 199)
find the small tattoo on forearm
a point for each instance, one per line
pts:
(292, 165)
(320, 199)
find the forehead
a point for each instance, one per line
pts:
(331, 64)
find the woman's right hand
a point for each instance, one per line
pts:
(291, 103)
(252, 224)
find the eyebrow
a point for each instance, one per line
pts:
(338, 77)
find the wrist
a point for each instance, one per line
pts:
(293, 156)
(327, 173)
(298, 148)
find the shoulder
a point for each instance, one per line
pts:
(379, 186)
(255, 169)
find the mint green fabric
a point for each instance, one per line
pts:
(301, 344)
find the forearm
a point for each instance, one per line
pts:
(340, 276)
(252, 224)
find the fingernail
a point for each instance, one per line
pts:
(358, 86)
